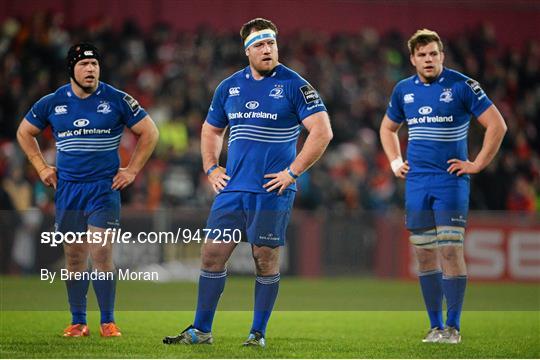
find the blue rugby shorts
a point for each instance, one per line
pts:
(262, 218)
(79, 204)
(433, 200)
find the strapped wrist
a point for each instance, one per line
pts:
(212, 168)
(396, 164)
(293, 175)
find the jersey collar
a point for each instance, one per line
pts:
(273, 73)
(71, 94)
(438, 79)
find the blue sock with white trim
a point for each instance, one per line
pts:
(77, 290)
(211, 285)
(105, 293)
(454, 292)
(266, 290)
(432, 289)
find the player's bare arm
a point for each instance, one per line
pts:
(26, 136)
(493, 122)
(390, 142)
(211, 145)
(148, 135)
(320, 134)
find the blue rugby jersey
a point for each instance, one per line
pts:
(438, 116)
(265, 118)
(87, 131)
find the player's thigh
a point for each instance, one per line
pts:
(450, 207)
(103, 205)
(227, 216)
(268, 217)
(418, 206)
(76, 255)
(215, 252)
(101, 248)
(425, 248)
(70, 200)
(100, 240)
(423, 238)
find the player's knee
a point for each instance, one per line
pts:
(427, 259)
(77, 263)
(450, 235)
(76, 259)
(212, 264)
(265, 266)
(266, 260)
(424, 239)
(212, 261)
(453, 261)
(449, 257)
(451, 254)
(102, 259)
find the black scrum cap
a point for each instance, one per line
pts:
(79, 52)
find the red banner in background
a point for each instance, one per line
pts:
(497, 247)
(448, 17)
(503, 253)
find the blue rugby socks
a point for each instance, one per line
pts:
(266, 290)
(77, 290)
(454, 292)
(432, 289)
(211, 285)
(105, 292)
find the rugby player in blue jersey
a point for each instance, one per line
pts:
(88, 118)
(437, 104)
(264, 105)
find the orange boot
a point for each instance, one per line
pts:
(76, 330)
(109, 330)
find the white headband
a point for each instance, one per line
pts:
(258, 36)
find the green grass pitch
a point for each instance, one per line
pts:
(328, 318)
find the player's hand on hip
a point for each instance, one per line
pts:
(461, 167)
(281, 180)
(402, 171)
(48, 176)
(218, 178)
(123, 178)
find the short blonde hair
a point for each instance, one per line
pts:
(422, 38)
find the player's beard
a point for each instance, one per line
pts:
(264, 72)
(86, 89)
(430, 78)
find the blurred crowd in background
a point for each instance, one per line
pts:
(173, 75)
